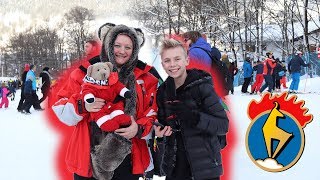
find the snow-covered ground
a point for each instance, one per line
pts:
(28, 143)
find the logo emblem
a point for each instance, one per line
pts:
(275, 137)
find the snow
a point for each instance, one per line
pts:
(28, 144)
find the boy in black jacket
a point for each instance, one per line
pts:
(193, 117)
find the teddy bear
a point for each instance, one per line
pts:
(101, 82)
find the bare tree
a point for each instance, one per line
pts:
(76, 26)
(38, 46)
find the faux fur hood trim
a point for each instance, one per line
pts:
(126, 73)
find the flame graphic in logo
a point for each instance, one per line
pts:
(289, 105)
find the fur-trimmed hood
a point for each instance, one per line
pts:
(108, 34)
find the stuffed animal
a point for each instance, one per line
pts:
(101, 82)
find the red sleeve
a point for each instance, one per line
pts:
(149, 113)
(272, 65)
(69, 108)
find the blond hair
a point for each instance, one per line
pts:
(171, 43)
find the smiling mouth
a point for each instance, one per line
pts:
(174, 70)
(120, 57)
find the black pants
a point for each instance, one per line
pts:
(22, 98)
(45, 93)
(123, 172)
(277, 83)
(245, 85)
(268, 83)
(231, 88)
(274, 82)
(31, 100)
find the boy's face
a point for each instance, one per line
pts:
(88, 48)
(174, 61)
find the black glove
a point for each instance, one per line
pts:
(180, 110)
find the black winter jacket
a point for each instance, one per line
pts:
(46, 81)
(200, 142)
(23, 79)
(277, 69)
(295, 64)
(258, 68)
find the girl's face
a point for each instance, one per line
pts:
(123, 48)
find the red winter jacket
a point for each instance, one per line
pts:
(268, 66)
(68, 110)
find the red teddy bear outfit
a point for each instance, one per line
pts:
(111, 116)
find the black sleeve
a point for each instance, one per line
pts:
(161, 111)
(303, 63)
(289, 65)
(213, 118)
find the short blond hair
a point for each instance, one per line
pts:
(171, 43)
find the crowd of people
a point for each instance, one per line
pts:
(271, 74)
(28, 85)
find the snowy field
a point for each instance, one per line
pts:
(28, 144)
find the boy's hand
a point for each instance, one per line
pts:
(95, 106)
(166, 131)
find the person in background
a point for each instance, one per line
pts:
(30, 93)
(233, 71)
(197, 48)
(198, 53)
(294, 68)
(259, 77)
(4, 96)
(46, 83)
(268, 66)
(77, 155)
(192, 148)
(23, 80)
(225, 60)
(247, 75)
(278, 73)
(12, 89)
(91, 48)
(283, 80)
